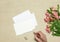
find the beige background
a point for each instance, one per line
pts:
(10, 8)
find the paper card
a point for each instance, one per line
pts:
(22, 16)
(24, 27)
(24, 22)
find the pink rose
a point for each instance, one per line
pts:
(59, 17)
(55, 14)
(47, 19)
(48, 29)
(47, 14)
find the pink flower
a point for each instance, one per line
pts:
(55, 14)
(47, 14)
(47, 19)
(48, 29)
(59, 17)
(51, 19)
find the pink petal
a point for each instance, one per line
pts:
(47, 19)
(47, 14)
(48, 29)
(59, 17)
(55, 14)
(51, 19)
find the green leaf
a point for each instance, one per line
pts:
(55, 28)
(53, 25)
(49, 11)
(58, 9)
(55, 34)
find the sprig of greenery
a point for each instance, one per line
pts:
(58, 7)
(55, 28)
(49, 11)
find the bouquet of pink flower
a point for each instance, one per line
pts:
(53, 20)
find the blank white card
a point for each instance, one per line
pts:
(24, 22)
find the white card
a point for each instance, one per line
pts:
(22, 16)
(24, 27)
(24, 22)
